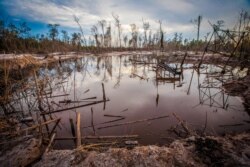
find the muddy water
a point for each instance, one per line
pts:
(134, 94)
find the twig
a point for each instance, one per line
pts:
(99, 137)
(50, 142)
(116, 116)
(132, 122)
(223, 126)
(104, 96)
(39, 125)
(70, 108)
(183, 125)
(92, 120)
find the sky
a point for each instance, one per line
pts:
(174, 14)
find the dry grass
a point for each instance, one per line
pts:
(19, 62)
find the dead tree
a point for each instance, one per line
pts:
(161, 35)
(102, 24)
(197, 22)
(134, 35)
(118, 25)
(145, 28)
(94, 31)
(77, 20)
(107, 37)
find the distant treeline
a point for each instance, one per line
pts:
(17, 38)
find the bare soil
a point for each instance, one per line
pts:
(231, 150)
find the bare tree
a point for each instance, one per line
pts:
(161, 35)
(77, 20)
(107, 36)
(150, 38)
(140, 41)
(75, 39)
(206, 36)
(118, 25)
(125, 40)
(94, 31)
(53, 31)
(197, 22)
(65, 36)
(24, 29)
(145, 28)
(134, 34)
(102, 24)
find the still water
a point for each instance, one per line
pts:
(137, 90)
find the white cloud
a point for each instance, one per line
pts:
(49, 12)
(175, 14)
(176, 6)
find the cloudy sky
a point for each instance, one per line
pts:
(175, 14)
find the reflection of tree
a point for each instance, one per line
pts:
(107, 67)
(85, 64)
(98, 66)
(117, 84)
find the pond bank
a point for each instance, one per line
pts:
(231, 150)
(18, 61)
(193, 151)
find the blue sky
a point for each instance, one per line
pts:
(175, 14)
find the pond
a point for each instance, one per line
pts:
(142, 93)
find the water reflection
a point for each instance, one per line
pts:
(142, 90)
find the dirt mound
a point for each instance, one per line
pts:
(22, 154)
(193, 151)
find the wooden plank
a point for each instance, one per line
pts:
(78, 129)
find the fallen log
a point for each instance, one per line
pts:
(115, 116)
(70, 108)
(39, 125)
(89, 98)
(58, 95)
(115, 120)
(132, 122)
(99, 137)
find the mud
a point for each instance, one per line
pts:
(192, 151)
(24, 153)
